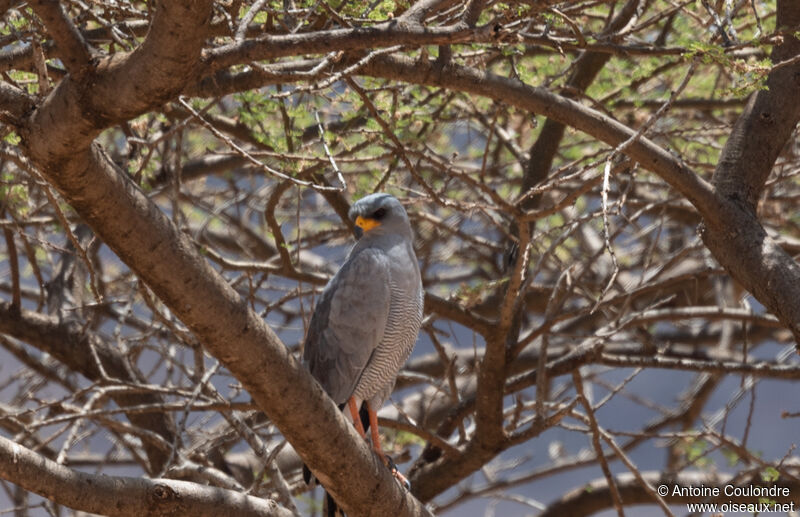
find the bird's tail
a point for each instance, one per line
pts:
(332, 508)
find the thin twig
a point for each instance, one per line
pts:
(338, 171)
(598, 448)
(246, 155)
(607, 174)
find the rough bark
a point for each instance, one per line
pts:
(118, 496)
(741, 244)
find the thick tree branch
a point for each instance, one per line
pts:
(766, 123)
(72, 49)
(384, 35)
(118, 496)
(14, 104)
(423, 8)
(741, 245)
(457, 313)
(80, 107)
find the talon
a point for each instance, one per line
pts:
(404, 480)
(385, 458)
(396, 473)
(389, 462)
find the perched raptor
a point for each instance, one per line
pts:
(366, 322)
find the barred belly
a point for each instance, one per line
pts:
(405, 316)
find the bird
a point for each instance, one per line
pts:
(366, 321)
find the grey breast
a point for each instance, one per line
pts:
(402, 325)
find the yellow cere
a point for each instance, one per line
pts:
(366, 223)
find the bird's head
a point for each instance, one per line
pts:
(379, 213)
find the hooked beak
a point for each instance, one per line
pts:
(366, 224)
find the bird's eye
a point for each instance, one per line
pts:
(379, 213)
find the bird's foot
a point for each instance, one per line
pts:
(396, 473)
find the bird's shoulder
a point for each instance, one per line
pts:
(355, 301)
(361, 287)
(365, 261)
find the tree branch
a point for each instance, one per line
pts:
(118, 496)
(761, 369)
(541, 101)
(766, 123)
(14, 104)
(741, 245)
(586, 68)
(76, 348)
(384, 35)
(81, 106)
(749, 254)
(72, 49)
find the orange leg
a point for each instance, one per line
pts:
(376, 445)
(356, 419)
(376, 437)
